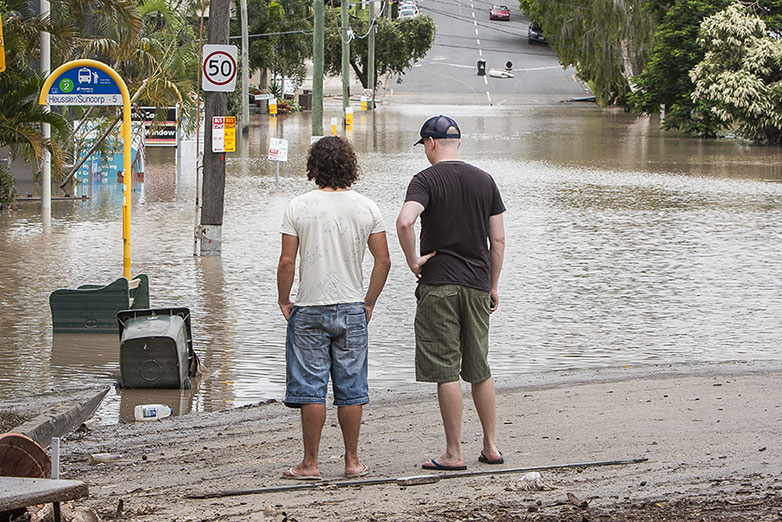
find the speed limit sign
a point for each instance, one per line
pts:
(218, 70)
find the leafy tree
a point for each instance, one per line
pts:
(20, 114)
(740, 76)
(607, 41)
(284, 54)
(666, 81)
(399, 44)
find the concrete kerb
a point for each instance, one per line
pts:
(61, 417)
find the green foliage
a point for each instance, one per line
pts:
(20, 114)
(607, 41)
(284, 54)
(739, 79)
(666, 80)
(398, 44)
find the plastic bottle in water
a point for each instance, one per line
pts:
(150, 412)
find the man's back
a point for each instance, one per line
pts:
(333, 228)
(458, 200)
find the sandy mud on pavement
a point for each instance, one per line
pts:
(710, 433)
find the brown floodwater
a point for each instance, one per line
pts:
(626, 245)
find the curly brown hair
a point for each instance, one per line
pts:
(332, 163)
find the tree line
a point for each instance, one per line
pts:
(153, 45)
(709, 67)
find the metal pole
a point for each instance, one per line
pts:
(317, 70)
(46, 163)
(198, 161)
(371, 57)
(420, 479)
(245, 71)
(345, 56)
(277, 174)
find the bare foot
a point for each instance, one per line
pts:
(445, 462)
(301, 472)
(355, 472)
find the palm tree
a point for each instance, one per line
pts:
(20, 114)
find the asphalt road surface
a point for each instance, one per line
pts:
(448, 73)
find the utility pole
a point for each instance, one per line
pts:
(214, 162)
(317, 71)
(345, 56)
(245, 71)
(46, 133)
(371, 57)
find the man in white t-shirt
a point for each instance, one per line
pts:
(330, 228)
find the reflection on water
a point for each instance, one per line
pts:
(625, 245)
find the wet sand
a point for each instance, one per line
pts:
(711, 434)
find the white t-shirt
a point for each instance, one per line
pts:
(333, 230)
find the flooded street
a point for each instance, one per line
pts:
(625, 245)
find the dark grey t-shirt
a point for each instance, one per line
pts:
(458, 199)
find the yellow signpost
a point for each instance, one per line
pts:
(90, 82)
(2, 47)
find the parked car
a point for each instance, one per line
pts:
(499, 12)
(535, 34)
(408, 11)
(405, 3)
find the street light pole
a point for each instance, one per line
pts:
(345, 55)
(245, 71)
(46, 163)
(371, 57)
(317, 70)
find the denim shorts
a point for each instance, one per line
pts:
(323, 340)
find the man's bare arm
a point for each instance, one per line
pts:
(405, 229)
(286, 269)
(378, 247)
(496, 255)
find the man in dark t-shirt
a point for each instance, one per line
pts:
(462, 248)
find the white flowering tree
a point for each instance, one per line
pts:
(740, 77)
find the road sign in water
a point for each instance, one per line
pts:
(84, 86)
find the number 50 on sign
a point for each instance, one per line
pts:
(218, 70)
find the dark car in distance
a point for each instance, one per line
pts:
(535, 34)
(499, 12)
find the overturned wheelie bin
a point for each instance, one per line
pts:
(93, 308)
(156, 348)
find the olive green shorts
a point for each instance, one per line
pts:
(451, 334)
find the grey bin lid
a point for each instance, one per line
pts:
(154, 322)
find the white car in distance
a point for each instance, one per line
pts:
(408, 11)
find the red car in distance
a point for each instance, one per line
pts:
(499, 12)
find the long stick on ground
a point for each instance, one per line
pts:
(409, 481)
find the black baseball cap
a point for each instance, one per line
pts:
(437, 128)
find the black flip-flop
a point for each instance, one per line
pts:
(436, 465)
(485, 460)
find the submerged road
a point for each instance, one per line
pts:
(448, 73)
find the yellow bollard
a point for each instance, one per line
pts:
(273, 106)
(348, 115)
(333, 126)
(363, 103)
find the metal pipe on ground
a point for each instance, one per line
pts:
(409, 481)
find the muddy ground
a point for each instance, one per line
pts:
(711, 435)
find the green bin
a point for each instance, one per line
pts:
(156, 348)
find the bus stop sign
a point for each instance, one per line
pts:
(84, 86)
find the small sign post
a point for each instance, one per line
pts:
(278, 151)
(90, 82)
(224, 134)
